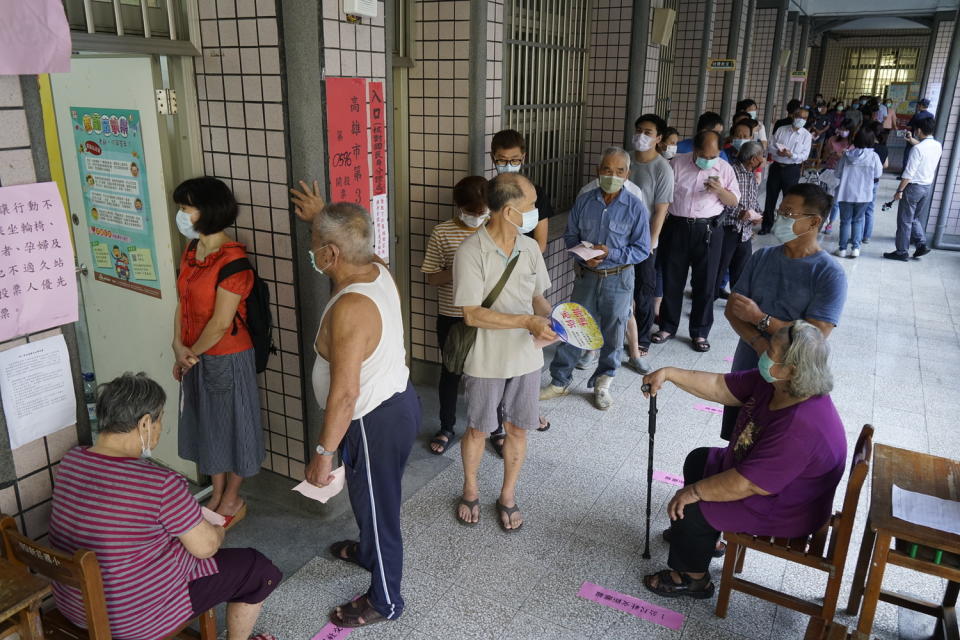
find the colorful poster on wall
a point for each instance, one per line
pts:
(348, 167)
(113, 172)
(904, 96)
(38, 285)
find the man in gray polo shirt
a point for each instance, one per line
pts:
(504, 364)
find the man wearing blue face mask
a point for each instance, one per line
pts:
(795, 280)
(613, 218)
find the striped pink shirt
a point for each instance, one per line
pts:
(129, 512)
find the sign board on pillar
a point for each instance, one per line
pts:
(800, 75)
(722, 64)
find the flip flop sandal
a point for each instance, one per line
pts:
(718, 551)
(444, 444)
(544, 427)
(701, 345)
(508, 511)
(351, 546)
(496, 441)
(350, 613)
(471, 505)
(660, 337)
(698, 589)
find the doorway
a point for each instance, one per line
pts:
(121, 160)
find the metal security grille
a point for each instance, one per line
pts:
(665, 70)
(146, 26)
(868, 70)
(545, 89)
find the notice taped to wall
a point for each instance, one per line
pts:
(37, 390)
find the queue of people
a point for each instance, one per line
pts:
(657, 214)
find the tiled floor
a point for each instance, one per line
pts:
(896, 359)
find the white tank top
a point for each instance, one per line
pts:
(385, 372)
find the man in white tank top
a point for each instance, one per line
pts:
(372, 414)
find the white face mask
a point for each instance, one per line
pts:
(530, 220)
(670, 151)
(313, 261)
(799, 123)
(185, 224)
(508, 168)
(752, 114)
(145, 450)
(642, 142)
(473, 221)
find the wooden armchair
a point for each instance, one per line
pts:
(81, 571)
(808, 550)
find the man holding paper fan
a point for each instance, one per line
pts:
(608, 231)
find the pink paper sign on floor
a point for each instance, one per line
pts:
(668, 478)
(728, 359)
(332, 632)
(634, 606)
(703, 407)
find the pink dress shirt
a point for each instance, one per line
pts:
(691, 199)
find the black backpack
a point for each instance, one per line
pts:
(259, 319)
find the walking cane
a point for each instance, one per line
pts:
(652, 431)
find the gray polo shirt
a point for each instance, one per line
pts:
(477, 266)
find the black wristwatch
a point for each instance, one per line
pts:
(764, 324)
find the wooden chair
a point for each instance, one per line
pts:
(808, 550)
(820, 629)
(81, 571)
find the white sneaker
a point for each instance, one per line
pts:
(553, 391)
(840, 253)
(601, 393)
(855, 253)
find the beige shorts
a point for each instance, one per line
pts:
(519, 397)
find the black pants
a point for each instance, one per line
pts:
(644, 288)
(449, 382)
(689, 247)
(781, 178)
(733, 255)
(692, 539)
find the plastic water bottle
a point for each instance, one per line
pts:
(90, 396)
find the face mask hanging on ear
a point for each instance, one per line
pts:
(313, 261)
(145, 450)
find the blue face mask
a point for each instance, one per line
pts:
(764, 366)
(508, 168)
(706, 164)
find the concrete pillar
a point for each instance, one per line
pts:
(804, 58)
(733, 44)
(769, 106)
(792, 61)
(751, 11)
(944, 107)
(706, 45)
(639, 40)
(478, 86)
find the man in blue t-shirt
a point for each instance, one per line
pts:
(791, 281)
(708, 121)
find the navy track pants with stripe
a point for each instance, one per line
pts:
(375, 451)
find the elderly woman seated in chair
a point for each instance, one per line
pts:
(777, 476)
(161, 562)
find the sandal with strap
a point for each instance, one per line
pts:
(544, 425)
(701, 345)
(508, 511)
(439, 440)
(660, 337)
(356, 613)
(350, 546)
(471, 505)
(698, 589)
(496, 441)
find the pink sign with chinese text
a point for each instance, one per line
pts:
(634, 606)
(38, 283)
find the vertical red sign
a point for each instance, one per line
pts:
(378, 138)
(348, 168)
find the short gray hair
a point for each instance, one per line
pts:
(615, 151)
(807, 352)
(123, 401)
(348, 226)
(504, 189)
(750, 150)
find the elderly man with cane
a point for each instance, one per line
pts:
(372, 413)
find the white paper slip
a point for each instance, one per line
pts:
(323, 493)
(585, 250)
(212, 517)
(926, 511)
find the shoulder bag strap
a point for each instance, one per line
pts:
(495, 293)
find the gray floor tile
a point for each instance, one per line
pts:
(468, 615)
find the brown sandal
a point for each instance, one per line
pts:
(356, 613)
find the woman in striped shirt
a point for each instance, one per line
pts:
(161, 562)
(471, 213)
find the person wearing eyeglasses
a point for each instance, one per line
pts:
(794, 280)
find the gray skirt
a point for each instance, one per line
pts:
(220, 415)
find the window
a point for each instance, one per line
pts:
(545, 89)
(868, 70)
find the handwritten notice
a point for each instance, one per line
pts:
(38, 286)
(37, 390)
(378, 138)
(634, 606)
(322, 494)
(113, 176)
(349, 168)
(714, 410)
(381, 226)
(34, 38)
(668, 478)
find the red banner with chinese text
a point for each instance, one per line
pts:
(378, 138)
(348, 168)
